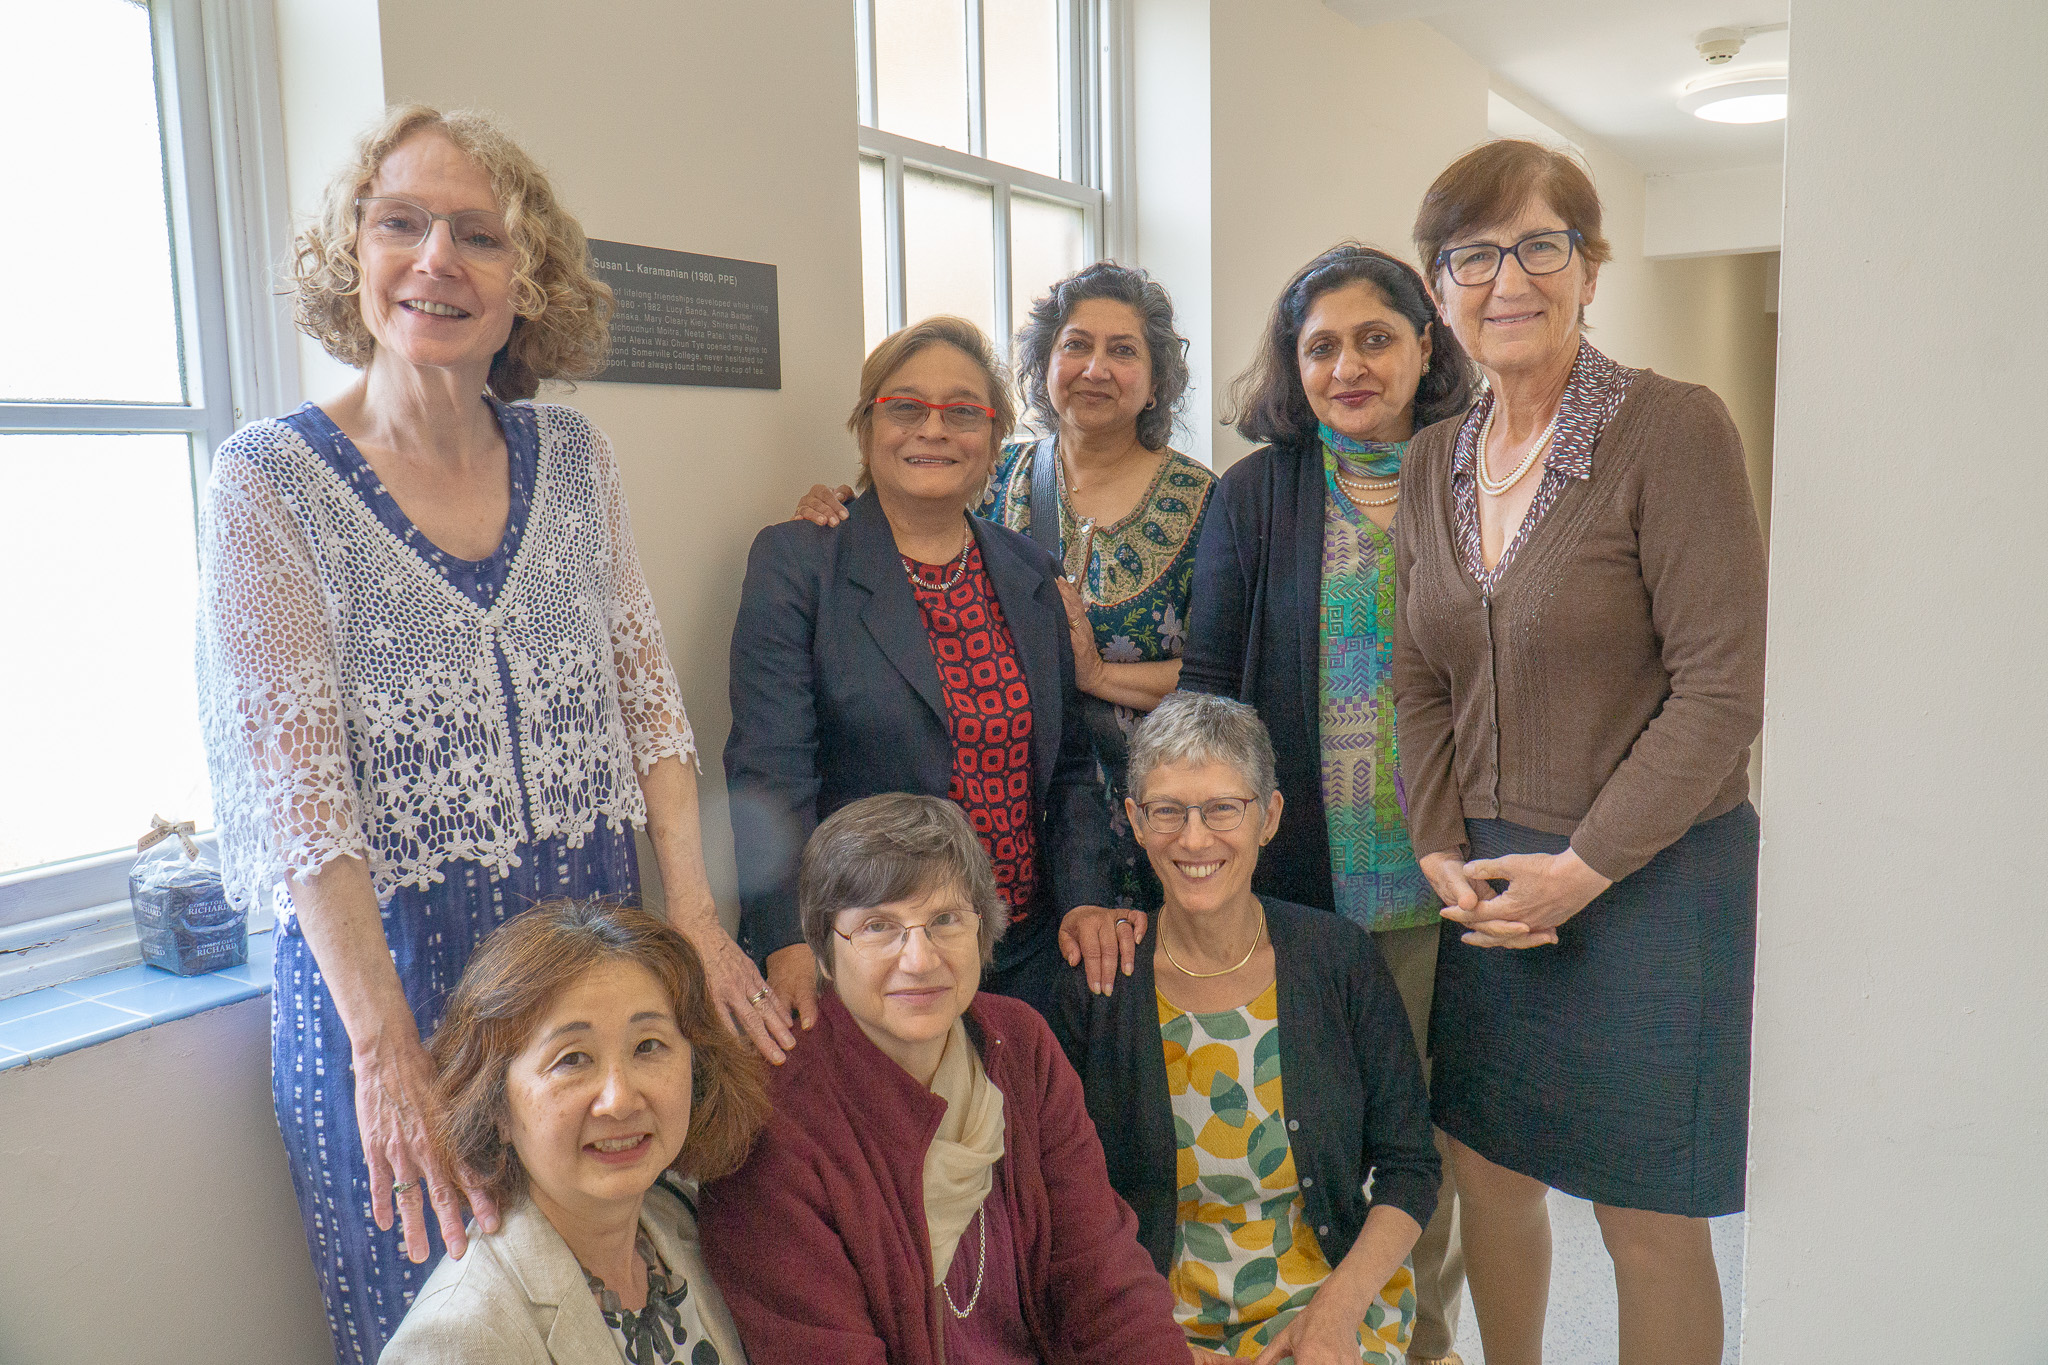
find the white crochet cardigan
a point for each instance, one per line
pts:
(350, 696)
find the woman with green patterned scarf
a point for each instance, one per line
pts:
(1294, 615)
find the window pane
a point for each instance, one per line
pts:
(921, 70)
(874, 252)
(1046, 245)
(949, 239)
(1022, 85)
(87, 287)
(98, 709)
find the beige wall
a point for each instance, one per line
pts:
(721, 129)
(1900, 1117)
(1322, 131)
(145, 1209)
(145, 1206)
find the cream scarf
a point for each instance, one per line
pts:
(959, 1167)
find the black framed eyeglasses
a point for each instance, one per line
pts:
(1540, 253)
(1219, 816)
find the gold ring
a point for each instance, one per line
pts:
(758, 996)
(402, 1186)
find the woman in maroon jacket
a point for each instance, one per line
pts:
(930, 1188)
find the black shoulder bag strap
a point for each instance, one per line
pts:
(1045, 500)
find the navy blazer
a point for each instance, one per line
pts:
(1255, 633)
(835, 696)
(1351, 1085)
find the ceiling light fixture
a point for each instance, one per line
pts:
(1753, 95)
(1745, 98)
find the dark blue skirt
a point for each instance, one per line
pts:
(1613, 1064)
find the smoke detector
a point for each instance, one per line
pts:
(1718, 46)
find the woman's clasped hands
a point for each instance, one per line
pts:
(1543, 891)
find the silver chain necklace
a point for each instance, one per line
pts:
(981, 1216)
(959, 572)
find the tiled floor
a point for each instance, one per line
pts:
(1581, 1326)
(58, 1019)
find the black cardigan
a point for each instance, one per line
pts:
(1352, 1085)
(835, 696)
(1255, 633)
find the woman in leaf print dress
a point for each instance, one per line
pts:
(1256, 1076)
(1104, 371)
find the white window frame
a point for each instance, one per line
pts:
(223, 142)
(1095, 123)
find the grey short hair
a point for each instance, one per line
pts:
(1194, 728)
(893, 847)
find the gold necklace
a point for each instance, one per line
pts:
(1203, 976)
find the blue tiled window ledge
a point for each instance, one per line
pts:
(46, 1023)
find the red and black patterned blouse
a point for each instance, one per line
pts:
(988, 712)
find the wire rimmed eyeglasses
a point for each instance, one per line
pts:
(880, 936)
(910, 413)
(1219, 816)
(1540, 253)
(401, 225)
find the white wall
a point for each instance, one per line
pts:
(1900, 1115)
(1709, 213)
(145, 1208)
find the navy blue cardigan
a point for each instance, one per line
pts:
(1255, 632)
(835, 696)
(1351, 1084)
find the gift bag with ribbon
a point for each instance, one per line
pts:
(182, 915)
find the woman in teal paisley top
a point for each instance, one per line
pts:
(1105, 373)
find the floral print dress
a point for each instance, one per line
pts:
(1136, 582)
(1245, 1259)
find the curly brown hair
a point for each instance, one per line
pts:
(506, 991)
(562, 327)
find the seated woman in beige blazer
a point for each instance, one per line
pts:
(589, 1080)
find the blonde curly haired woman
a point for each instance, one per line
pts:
(433, 687)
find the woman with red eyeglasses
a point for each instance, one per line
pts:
(914, 647)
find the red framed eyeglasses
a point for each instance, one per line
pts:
(900, 409)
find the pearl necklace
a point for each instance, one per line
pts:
(958, 573)
(1355, 489)
(1204, 976)
(1487, 484)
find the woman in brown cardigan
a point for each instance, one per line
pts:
(1578, 675)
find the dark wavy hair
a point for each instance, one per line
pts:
(1145, 296)
(1270, 407)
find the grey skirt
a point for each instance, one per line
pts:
(1613, 1064)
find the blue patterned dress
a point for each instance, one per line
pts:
(364, 1275)
(1136, 584)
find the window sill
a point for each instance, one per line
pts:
(54, 1020)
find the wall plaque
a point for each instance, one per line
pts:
(688, 319)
